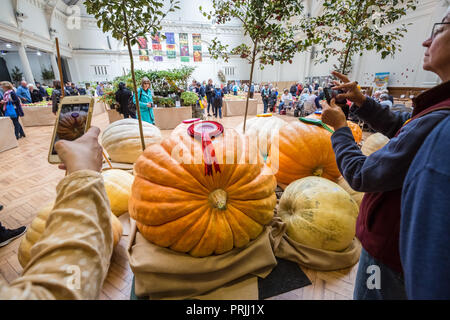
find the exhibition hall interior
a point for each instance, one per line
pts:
(224, 150)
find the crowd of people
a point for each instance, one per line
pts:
(12, 98)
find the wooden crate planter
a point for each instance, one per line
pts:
(169, 118)
(38, 116)
(232, 108)
(8, 140)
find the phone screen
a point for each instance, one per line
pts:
(328, 94)
(72, 122)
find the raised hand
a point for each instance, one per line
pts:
(333, 115)
(84, 153)
(351, 89)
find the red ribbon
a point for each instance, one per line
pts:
(209, 154)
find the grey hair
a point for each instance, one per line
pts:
(144, 80)
(384, 96)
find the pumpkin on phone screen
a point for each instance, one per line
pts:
(72, 125)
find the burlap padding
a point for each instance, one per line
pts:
(161, 273)
(321, 260)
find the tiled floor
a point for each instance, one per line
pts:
(27, 182)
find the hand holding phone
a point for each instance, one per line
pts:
(85, 153)
(72, 121)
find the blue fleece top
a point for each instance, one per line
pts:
(425, 222)
(24, 93)
(384, 170)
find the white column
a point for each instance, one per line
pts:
(25, 64)
(54, 66)
(356, 74)
(307, 70)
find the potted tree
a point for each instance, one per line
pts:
(127, 20)
(266, 24)
(349, 27)
(16, 75)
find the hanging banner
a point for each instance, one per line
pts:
(184, 47)
(170, 45)
(143, 49)
(381, 81)
(197, 42)
(157, 48)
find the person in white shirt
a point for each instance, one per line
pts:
(286, 100)
(384, 100)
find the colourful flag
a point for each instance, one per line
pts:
(143, 49)
(197, 42)
(170, 45)
(184, 47)
(157, 48)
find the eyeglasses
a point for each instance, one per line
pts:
(438, 28)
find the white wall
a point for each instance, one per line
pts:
(36, 22)
(89, 47)
(7, 13)
(406, 66)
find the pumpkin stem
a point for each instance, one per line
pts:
(318, 172)
(218, 199)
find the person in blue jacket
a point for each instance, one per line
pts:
(145, 101)
(382, 176)
(9, 97)
(425, 222)
(23, 93)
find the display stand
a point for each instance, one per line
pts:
(38, 116)
(169, 118)
(257, 97)
(8, 139)
(113, 114)
(233, 108)
(99, 107)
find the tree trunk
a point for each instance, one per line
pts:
(349, 45)
(130, 52)
(347, 53)
(251, 81)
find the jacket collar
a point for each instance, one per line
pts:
(431, 97)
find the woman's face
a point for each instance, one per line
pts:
(437, 55)
(5, 88)
(146, 85)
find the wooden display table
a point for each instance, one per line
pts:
(169, 118)
(113, 114)
(38, 116)
(8, 139)
(258, 97)
(99, 107)
(233, 108)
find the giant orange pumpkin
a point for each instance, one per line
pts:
(176, 205)
(356, 129)
(304, 150)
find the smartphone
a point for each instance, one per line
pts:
(330, 94)
(72, 121)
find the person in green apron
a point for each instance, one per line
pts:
(145, 101)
